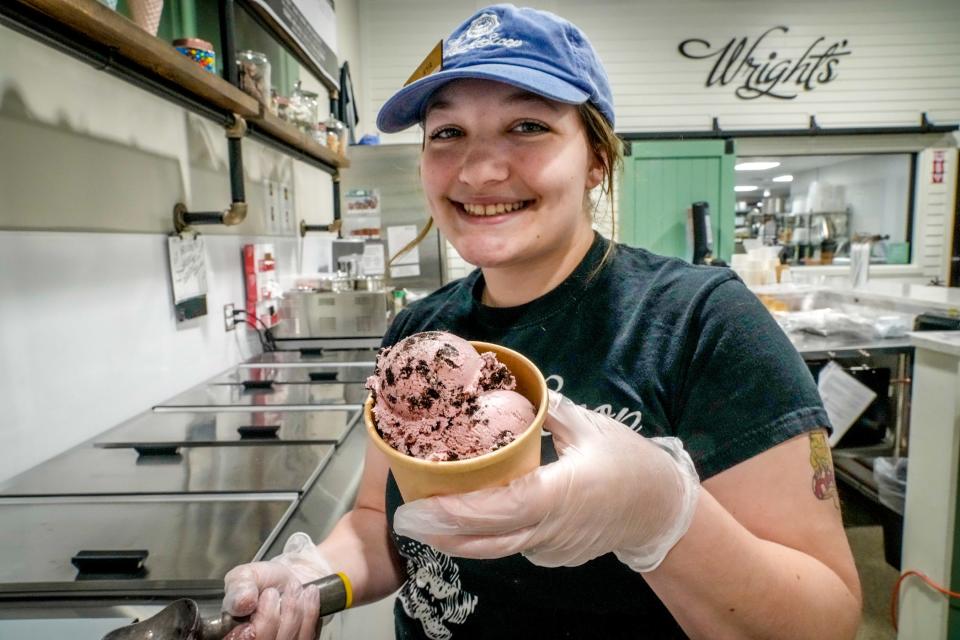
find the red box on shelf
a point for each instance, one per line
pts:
(260, 282)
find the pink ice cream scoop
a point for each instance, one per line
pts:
(436, 398)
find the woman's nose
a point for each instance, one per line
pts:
(483, 164)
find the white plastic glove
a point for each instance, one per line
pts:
(611, 490)
(272, 593)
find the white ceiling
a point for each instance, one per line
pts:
(792, 165)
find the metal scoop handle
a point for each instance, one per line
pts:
(336, 595)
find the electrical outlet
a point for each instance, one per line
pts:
(229, 321)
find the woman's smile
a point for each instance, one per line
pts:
(492, 210)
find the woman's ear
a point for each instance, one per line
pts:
(595, 170)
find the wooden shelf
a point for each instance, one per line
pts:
(293, 136)
(99, 23)
(158, 58)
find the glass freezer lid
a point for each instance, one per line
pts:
(307, 374)
(305, 397)
(90, 471)
(190, 544)
(194, 429)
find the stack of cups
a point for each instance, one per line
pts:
(758, 266)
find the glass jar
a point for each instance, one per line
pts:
(335, 131)
(305, 107)
(283, 108)
(254, 75)
(319, 134)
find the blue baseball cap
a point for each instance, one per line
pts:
(534, 50)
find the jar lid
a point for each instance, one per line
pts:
(193, 43)
(249, 53)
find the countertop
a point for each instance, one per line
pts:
(947, 342)
(938, 299)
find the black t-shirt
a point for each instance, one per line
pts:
(668, 349)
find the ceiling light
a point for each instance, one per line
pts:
(766, 193)
(756, 166)
(745, 187)
(784, 178)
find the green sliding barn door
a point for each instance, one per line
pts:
(661, 180)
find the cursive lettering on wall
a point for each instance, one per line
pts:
(758, 71)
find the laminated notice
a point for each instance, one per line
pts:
(844, 397)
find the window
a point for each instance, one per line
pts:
(816, 205)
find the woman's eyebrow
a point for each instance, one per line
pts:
(437, 103)
(520, 97)
(517, 97)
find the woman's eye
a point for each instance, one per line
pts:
(530, 126)
(445, 133)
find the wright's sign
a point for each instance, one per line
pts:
(755, 68)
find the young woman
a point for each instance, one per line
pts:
(684, 488)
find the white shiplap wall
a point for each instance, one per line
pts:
(905, 57)
(905, 61)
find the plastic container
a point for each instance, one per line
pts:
(418, 478)
(200, 51)
(254, 74)
(891, 477)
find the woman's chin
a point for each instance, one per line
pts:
(485, 257)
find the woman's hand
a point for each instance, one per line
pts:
(612, 490)
(273, 595)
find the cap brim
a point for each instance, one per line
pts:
(405, 107)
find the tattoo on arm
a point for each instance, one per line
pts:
(824, 481)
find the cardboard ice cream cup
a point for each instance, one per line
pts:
(419, 478)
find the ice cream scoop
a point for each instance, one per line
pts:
(181, 620)
(431, 401)
(494, 438)
(429, 374)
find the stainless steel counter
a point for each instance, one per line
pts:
(275, 468)
(306, 356)
(320, 373)
(815, 346)
(192, 543)
(313, 397)
(192, 429)
(221, 499)
(331, 496)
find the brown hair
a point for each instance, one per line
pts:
(608, 149)
(605, 145)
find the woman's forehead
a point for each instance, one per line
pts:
(463, 91)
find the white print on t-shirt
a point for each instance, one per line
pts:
(432, 593)
(630, 418)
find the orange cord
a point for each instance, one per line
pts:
(895, 598)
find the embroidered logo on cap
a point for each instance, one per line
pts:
(482, 32)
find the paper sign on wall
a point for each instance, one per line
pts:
(407, 265)
(844, 397)
(373, 261)
(188, 273)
